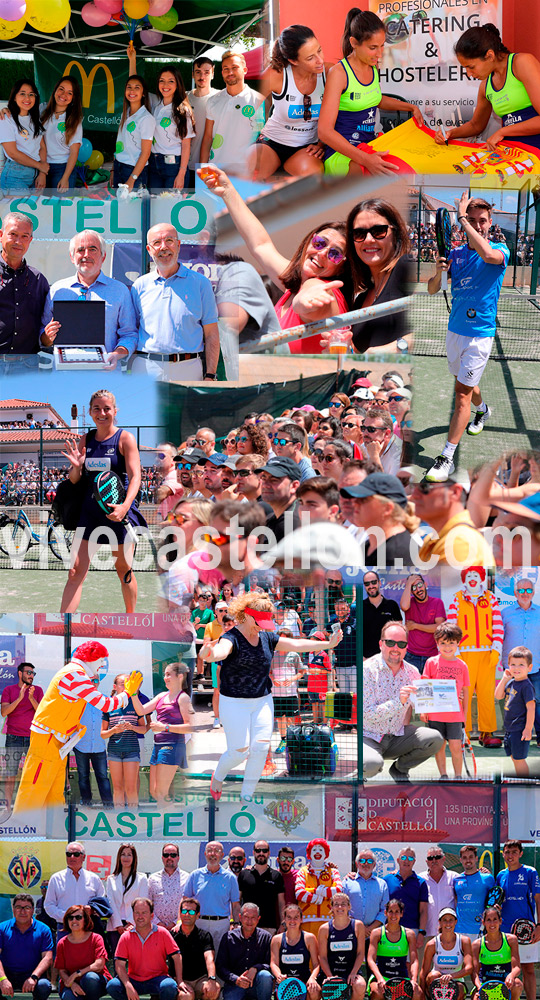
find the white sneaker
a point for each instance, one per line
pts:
(440, 470)
(216, 724)
(476, 425)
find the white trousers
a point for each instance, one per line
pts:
(247, 724)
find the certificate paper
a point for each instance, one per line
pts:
(435, 696)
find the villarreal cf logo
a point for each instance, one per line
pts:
(24, 870)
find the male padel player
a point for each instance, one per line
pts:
(476, 269)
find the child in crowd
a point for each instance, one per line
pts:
(519, 705)
(319, 675)
(448, 666)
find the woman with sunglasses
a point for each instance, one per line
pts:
(123, 732)
(229, 443)
(251, 440)
(332, 457)
(392, 953)
(295, 79)
(329, 427)
(124, 886)
(81, 957)
(316, 282)
(173, 710)
(245, 703)
(337, 404)
(189, 515)
(351, 98)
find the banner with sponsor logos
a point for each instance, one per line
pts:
(12, 652)
(417, 814)
(102, 84)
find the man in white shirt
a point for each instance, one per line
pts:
(74, 885)
(166, 887)
(230, 118)
(440, 883)
(203, 74)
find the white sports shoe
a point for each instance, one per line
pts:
(476, 425)
(440, 470)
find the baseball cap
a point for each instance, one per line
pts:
(215, 459)
(363, 393)
(193, 455)
(281, 467)
(447, 909)
(401, 392)
(362, 383)
(380, 483)
(308, 408)
(221, 604)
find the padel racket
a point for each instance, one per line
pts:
(443, 236)
(291, 989)
(469, 760)
(335, 989)
(444, 991)
(395, 989)
(493, 990)
(108, 490)
(523, 929)
(495, 896)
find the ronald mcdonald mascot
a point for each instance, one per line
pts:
(56, 726)
(316, 883)
(477, 612)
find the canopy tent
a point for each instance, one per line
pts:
(201, 24)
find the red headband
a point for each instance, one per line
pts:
(259, 616)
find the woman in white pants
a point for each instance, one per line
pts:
(246, 709)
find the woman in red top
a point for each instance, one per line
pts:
(80, 957)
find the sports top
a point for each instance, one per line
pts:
(476, 287)
(342, 949)
(446, 960)
(512, 103)
(169, 713)
(104, 456)
(357, 108)
(392, 956)
(495, 964)
(294, 959)
(286, 122)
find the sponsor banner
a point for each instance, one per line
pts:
(419, 64)
(524, 813)
(420, 813)
(136, 625)
(12, 652)
(24, 865)
(102, 85)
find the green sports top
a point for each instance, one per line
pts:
(358, 104)
(513, 104)
(495, 964)
(392, 956)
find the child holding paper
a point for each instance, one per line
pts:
(448, 666)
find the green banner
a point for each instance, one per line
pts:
(102, 84)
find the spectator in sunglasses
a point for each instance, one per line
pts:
(522, 628)
(248, 479)
(329, 427)
(251, 440)
(443, 507)
(351, 428)
(205, 439)
(388, 733)
(380, 442)
(290, 441)
(335, 454)
(337, 404)
(399, 405)
(229, 443)
(72, 882)
(367, 892)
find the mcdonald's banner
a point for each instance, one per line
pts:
(102, 85)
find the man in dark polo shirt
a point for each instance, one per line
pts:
(412, 890)
(279, 480)
(261, 884)
(197, 951)
(23, 291)
(26, 951)
(377, 611)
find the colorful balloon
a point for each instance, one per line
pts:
(48, 17)
(10, 29)
(165, 22)
(111, 6)
(85, 151)
(136, 9)
(12, 10)
(149, 37)
(95, 161)
(94, 16)
(159, 7)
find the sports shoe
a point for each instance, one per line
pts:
(440, 470)
(476, 426)
(269, 769)
(281, 747)
(216, 724)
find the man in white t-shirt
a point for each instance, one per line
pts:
(203, 74)
(230, 118)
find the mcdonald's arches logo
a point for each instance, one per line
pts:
(87, 80)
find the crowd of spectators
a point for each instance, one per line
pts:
(13, 425)
(423, 242)
(19, 483)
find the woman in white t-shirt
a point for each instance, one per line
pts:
(174, 129)
(62, 120)
(134, 139)
(22, 138)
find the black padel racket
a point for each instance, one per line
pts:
(335, 989)
(444, 991)
(495, 896)
(443, 236)
(493, 990)
(291, 989)
(108, 490)
(523, 929)
(395, 989)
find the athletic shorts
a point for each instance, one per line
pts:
(529, 953)
(286, 707)
(448, 730)
(467, 357)
(515, 747)
(280, 149)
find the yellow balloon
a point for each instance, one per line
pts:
(10, 29)
(49, 16)
(136, 8)
(95, 160)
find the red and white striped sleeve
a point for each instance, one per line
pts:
(337, 884)
(452, 615)
(303, 894)
(76, 685)
(497, 624)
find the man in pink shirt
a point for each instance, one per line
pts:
(422, 616)
(141, 959)
(170, 490)
(19, 702)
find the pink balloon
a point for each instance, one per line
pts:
(159, 7)
(111, 6)
(12, 10)
(93, 16)
(149, 37)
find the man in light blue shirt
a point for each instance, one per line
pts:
(91, 749)
(177, 315)
(522, 628)
(88, 251)
(367, 892)
(217, 892)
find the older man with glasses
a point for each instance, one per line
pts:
(441, 890)
(380, 443)
(411, 890)
(72, 886)
(166, 887)
(367, 892)
(26, 949)
(443, 507)
(522, 628)
(389, 682)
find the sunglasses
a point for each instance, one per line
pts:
(400, 643)
(76, 916)
(371, 429)
(243, 438)
(74, 854)
(426, 488)
(379, 402)
(396, 399)
(366, 861)
(317, 453)
(201, 443)
(244, 473)
(406, 857)
(348, 424)
(261, 850)
(169, 854)
(191, 912)
(328, 458)
(332, 406)
(320, 243)
(525, 590)
(281, 441)
(185, 465)
(377, 232)
(173, 518)
(435, 857)
(218, 539)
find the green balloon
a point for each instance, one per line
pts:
(166, 22)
